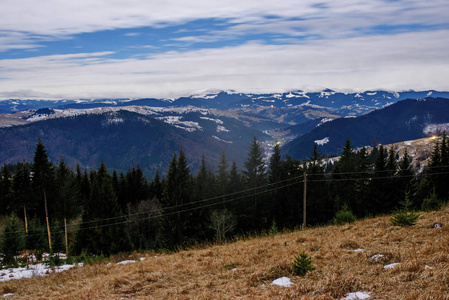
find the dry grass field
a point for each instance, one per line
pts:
(245, 269)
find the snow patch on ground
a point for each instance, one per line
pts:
(40, 269)
(433, 128)
(325, 120)
(189, 126)
(213, 120)
(125, 262)
(357, 250)
(322, 141)
(221, 128)
(221, 140)
(356, 296)
(283, 281)
(391, 266)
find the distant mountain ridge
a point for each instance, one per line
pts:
(405, 120)
(360, 102)
(124, 138)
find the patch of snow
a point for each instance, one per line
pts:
(429, 93)
(125, 262)
(396, 94)
(283, 281)
(433, 128)
(40, 269)
(221, 128)
(377, 257)
(408, 143)
(356, 296)
(7, 295)
(189, 126)
(391, 266)
(428, 267)
(213, 120)
(221, 140)
(357, 250)
(322, 141)
(142, 258)
(372, 94)
(115, 121)
(325, 120)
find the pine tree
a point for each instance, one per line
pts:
(12, 241)
(68, 204)
(362, 182)
(275, 167)
(344, 174)
(319, 206)
(178, 227)
(222, 175)
(256, 215)
(102, 232)
(5, 190)
(43, 181)
(22, 191)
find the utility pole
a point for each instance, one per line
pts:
(304, 212)
(48, 224)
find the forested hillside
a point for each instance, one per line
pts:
(109, 212)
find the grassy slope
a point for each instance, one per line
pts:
(245, 269)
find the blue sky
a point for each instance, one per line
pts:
(53, 49)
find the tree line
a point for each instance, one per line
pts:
(54, 208)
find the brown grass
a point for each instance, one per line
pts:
(246, 268)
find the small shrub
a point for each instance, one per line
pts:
(344, 216)
(273, 229)
(302, 264)
(54, 260)
(405, 216)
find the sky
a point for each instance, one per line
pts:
(61, 49)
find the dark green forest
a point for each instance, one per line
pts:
(53, 208)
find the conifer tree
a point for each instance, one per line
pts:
(344, 178)
(67, 204)
(43, 180)
(5, 190)
(362, 182)
(256, 214)
(275, 167)
(12, 240)
(319, 206)
(22, 191)
(222, 175)
(102, 231)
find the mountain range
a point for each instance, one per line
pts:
(126, 132)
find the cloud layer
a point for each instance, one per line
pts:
(248, 46)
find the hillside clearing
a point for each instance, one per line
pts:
(367, 257)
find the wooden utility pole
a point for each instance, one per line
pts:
(48, 224)
(304, 212)
(66, 240)
(25, 217)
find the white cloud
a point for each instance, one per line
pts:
(404, 61)
(55, 19)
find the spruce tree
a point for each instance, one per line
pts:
(5, 190)
(22, 191)
(102, 231)
(255, 216)
(319, 206)
(43, 181)
(343, 176)
(12, 240)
